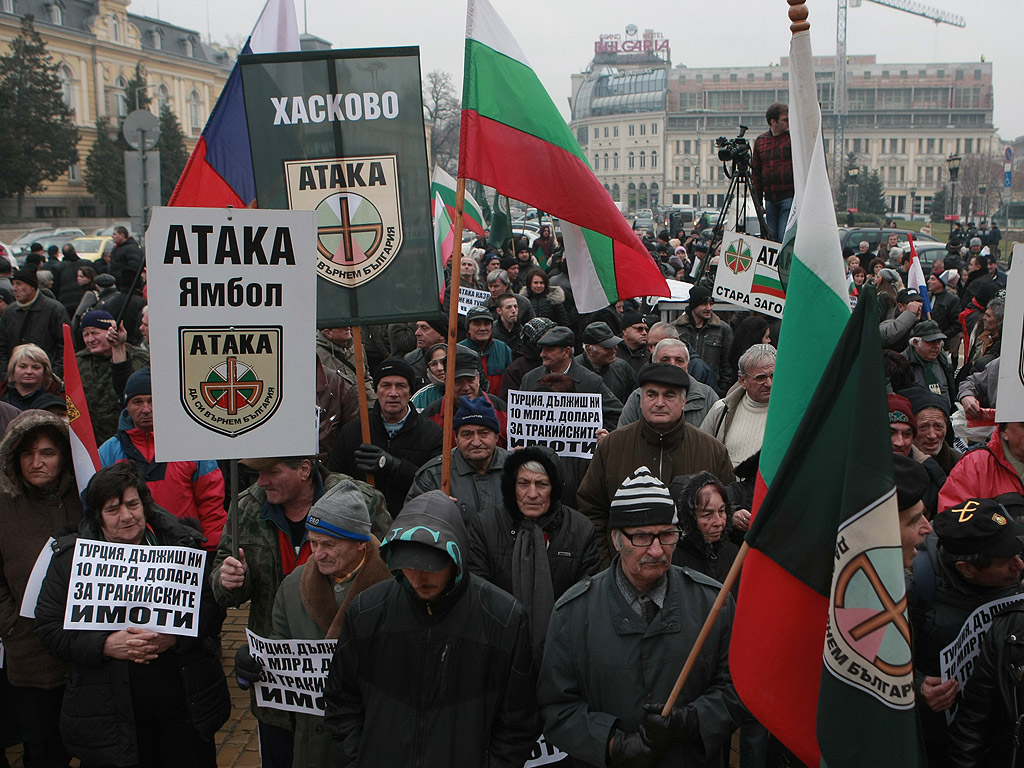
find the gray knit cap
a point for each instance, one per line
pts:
(641, 500)
(341, 513)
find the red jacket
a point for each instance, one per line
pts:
(186, 489)
(981, 474)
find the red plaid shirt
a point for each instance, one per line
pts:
(771, 166)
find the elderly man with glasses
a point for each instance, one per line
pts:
(616, 642)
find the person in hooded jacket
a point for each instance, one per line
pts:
(433, 667)
(38, 497)
(534, 547)
(705, 515)
(135, 697)
(547, 300)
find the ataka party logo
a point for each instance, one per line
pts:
(231, 376)
(358, 213)
(738, 257)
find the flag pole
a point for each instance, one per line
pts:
(709, 622)
(364, 406)
(453, 327)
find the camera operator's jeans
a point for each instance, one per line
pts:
(776, 216)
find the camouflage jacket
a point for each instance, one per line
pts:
(104, 405)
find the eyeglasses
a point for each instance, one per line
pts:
(667, 538)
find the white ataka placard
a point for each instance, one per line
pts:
(294, 673)
(232, 298)
(1010, 404)
(565, 422)
(471, 297)
(115, 586)
(748, 274)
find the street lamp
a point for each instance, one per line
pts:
(851, 190)
(982, 189)
(953, 164)
(913, 202)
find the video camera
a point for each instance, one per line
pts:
(735, 150)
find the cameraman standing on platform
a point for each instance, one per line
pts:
(771, 166)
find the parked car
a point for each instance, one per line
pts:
(927, 251)
(92, 248)
(46, 238)
(109, 231)
(644, 223)
(851, 237)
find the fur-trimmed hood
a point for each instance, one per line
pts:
(686, 506)
(11, 482)
(554, 294)
(515, 459)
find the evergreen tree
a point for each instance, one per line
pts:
(871, 198)
(136, 89)
(104, 169)
(173, 155)
(38, 140)
(939, 205)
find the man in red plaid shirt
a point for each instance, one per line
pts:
(771, 167)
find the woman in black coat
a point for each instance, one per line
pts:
(535, 548)
(134, 697)
(704, 518)
(546, 300)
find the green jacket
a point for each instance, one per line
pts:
(259, 524)
(309, 607)
(104, 406)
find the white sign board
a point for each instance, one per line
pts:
(114, 586)
(232, 298)
(1010, 404)
(294, 673)
(565, 422)
(470, 297)
(748, 274)
(957, 658)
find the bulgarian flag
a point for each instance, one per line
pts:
(444, 239)
(515, 140)
(442, 184)
(829, 385)
(83, 441)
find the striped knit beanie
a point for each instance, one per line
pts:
(642, 499)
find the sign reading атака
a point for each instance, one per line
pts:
(231, 315)
(341, 133)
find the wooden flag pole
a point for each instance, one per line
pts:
(453, 327)
(709, 622)
(364, 407)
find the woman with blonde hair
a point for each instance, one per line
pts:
(29, 377)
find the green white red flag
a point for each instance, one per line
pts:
(442, 184)
(823, 499)
(515, 140)
(444, 239)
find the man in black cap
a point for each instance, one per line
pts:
(556, 347)
(477, 461)
(708, 336)
(495, 356)
(401, 439)
(511, 267)
(600, 355)
(896, 332)
(633, 346)
(931, 366)
(661, 440)
(911, 485)
(433, 667)
(972, 559)
(32, 319)
(613, 638)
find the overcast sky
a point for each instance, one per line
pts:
(558, 35)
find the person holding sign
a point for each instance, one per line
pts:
(616, 640)
(311, 601)
(973, 559)
(38, 496)
(135, 697)
(433, 667)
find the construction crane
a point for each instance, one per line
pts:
(840, 102)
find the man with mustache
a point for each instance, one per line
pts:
(617, 640)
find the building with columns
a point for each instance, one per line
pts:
(97, 44)
(649, 128)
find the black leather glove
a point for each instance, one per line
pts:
(632, 750)
(371, 459)
(681, 724)
(247, 669)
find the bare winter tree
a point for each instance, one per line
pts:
(979, 184)
(442, 108)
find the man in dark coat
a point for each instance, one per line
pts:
(614, 637)
(126, 258)
(709, 336)
(33, 318)
(401, 439)
(600, 355)
(433, 667)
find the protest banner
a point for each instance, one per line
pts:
(470, 297)
(957, 658)
(566, 423)
(1010, 406)
(114, 586)
(341, 133)
(748, 274)
(294, 673)
(231, 297)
